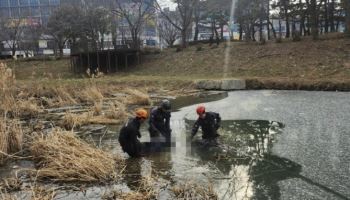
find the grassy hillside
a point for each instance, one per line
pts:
(328, 58)
(309, 63)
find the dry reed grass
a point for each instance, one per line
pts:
(71, 120)
(11, 138)
(7, 196)
(117, 110)
(10, 131)
(63, 96)
(146, 191)
(136, 97)
(189, 191)
(97, 108)
(41, 193)
(91, 95)
(62, 157)
(10, 185)
(28, 107)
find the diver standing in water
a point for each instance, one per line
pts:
(209, 123)
(159, 122)
(130, 132)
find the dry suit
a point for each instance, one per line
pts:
(209, 125)
(128, 137)
(159, 124)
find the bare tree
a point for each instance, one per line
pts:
(11, 33)
(97, 23)
(185, 8)
(247, 14)
(167, 31)
(64, 24)
(136, 13)
(219, 13)
(30, 42)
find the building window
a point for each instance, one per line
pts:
(54, 2)
(25, 12)
(4, 12)
(14, 12)
(44, 20)
(4, 3)
(35, 11)
(34, 2)
(45, 10)
(24, 2)
(13, 3)
(44, 2)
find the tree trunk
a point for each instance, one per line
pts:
(222, 31)
(347, 16)
(302, 19)
(61, 50)
(314, 23)
(13, 50)
(240, 32)
(260, 30)
(293, 28)
(268, 20)
(252, 33)
(183, 38)
(307, 32)
(331, 15)
(326, 16)
(102, 46)
(286, 15)
(273, 30)
(196, 33)
(287, 28)
(280, 28)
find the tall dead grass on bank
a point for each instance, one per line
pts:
(62, 157)
(146, 191)
(10, 129)
(190, 190)
(41, 193)
(136, 97)
(91, 94)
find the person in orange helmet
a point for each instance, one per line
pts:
(130, 132)
(209, 123)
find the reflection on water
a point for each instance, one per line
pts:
(241, 167)
(248, 169)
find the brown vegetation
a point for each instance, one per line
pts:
(10, 184)
(10, 129)
(145, 191)
(41, 193)
(191, 190)
(327, 58)
(62, 157)
(136, 97)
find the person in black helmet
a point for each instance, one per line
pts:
(159, 121)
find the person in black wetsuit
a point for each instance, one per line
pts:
(159, 122)
(130, 132)
(209, 123)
